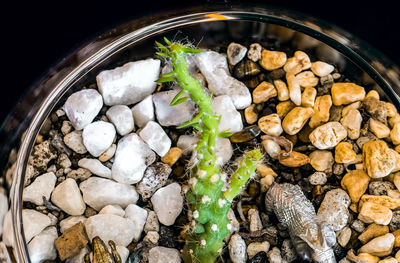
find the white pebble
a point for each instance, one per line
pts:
(34, 222)
(138, 216)
(224, 150)
(168, 202)
(98, 136)
(130, 83)
(95, 167)
(256, 247)
(113, 209)
(121, 117)
(41, 187)
(41, 247)
(99, 192)
(68, 198)
(123, 253)
(71, 221)
(231, 119)
(318, 178)
(82, 107)
(156, 138)
(160, 254)
(237, 249)
(143, 112)
(129, 148)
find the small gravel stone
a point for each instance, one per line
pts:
(263, 92)
(151, 222)
(187, 143)
(395, 222)
(235, 53)
(371, 212)
(72, 241)
(68, 197)
(379, 246)
(254, 53)
(343, 236)
(108, 154)
(156, 138)
(131, 147)
(346, 93)
(358, 225)
(41, 247)
(41, 155)
(98, 136)
(321, 160)
(378, 160)
(168, 203)
(121, 117)
(271, 60)
(66, 127)
(255, 221)
(82, 107)
(41, 188)
(152, 237)
(74, 141)
(318, 178)
(138, 216)
(95, 167)
(257, 247)
(271, 124)
(372, 231)
(356, 183)
(333, 209)
(79, 174)
(237, 249)
(328, 135)
(71, 221)
(34, 222)
(172, 156)
(380, 187)
(154, 178)
(375, 108)
(111, 227)
(113, 209)
(274, 255)
(130, 83)
(143, 112)
(230, 118)
(160, 254)
(99, 192)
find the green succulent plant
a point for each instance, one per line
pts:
(209, 197)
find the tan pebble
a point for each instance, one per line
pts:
(372, 231)
(257, 247)
(375, 108)
(321, 108)
(393, 120)
(172, 156)
(308, 97)
(71, 241)
(294, 88)
(272, 148)
(108, 154)
(266, 182)
(352, 122)
(393, 193)
(383, 200)
(321, 160)
(299, 62)
(305, 133)
(283, 108)
(367, 258)
(388, 260)
(321, 69)
(295, 159)
(378, 128)
(397, 160)
(344, 153)
(396, 238)
(250, 114)
(356, 183)
(373, 94)
(346, 93)
(378, 160)
(390, 109)
(395, 134)
(397, 256)
(307, 79)
(283, 91)
(271, 60)
(380, 246)
(343, 236)
(374, 213)
(263, 92)
(355, 106)
(264, 171)
(328, 135)
(271, 125)
(295, 120)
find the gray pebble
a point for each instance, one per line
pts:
(318, 178)
(380, 187)
(358, 225)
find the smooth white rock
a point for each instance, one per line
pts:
(71, 221)
(230, 118)
(42, 246)
(41, 187)
(237, 249)
(168, 115)
(334, 209)
(224, 150)
(187, 143)
(98, 136)
(68, 198)
(99, 192)
(143, 112)
(122, 118)
(138, 216)
(167, 203)
(113, 209)
(156, 138)
(160, 254)
(130, 83)
(8, 233)
(78, 258)
(131, 159)
(95, 167)
(214, 67)
(123, 253)
(3, 210)
(34, 222)
(82, 107)
(110, 227)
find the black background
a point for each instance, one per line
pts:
(37, 34)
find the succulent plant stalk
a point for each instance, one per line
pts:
(209, 197)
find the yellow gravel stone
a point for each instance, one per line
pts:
(307, 79)
(345, 93)
(321, 111)
(283, 91)
(321, 160)
(378, 128)
(284, 108)
(271, 60)
(295, 120)
(299, 62)
(372, 231)
(374, 213)
(295, 159)
(344, 153)
(356, 183)
(263, 92)
(308, 97)
(321, 68)
(172, 156)
(378, 160)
